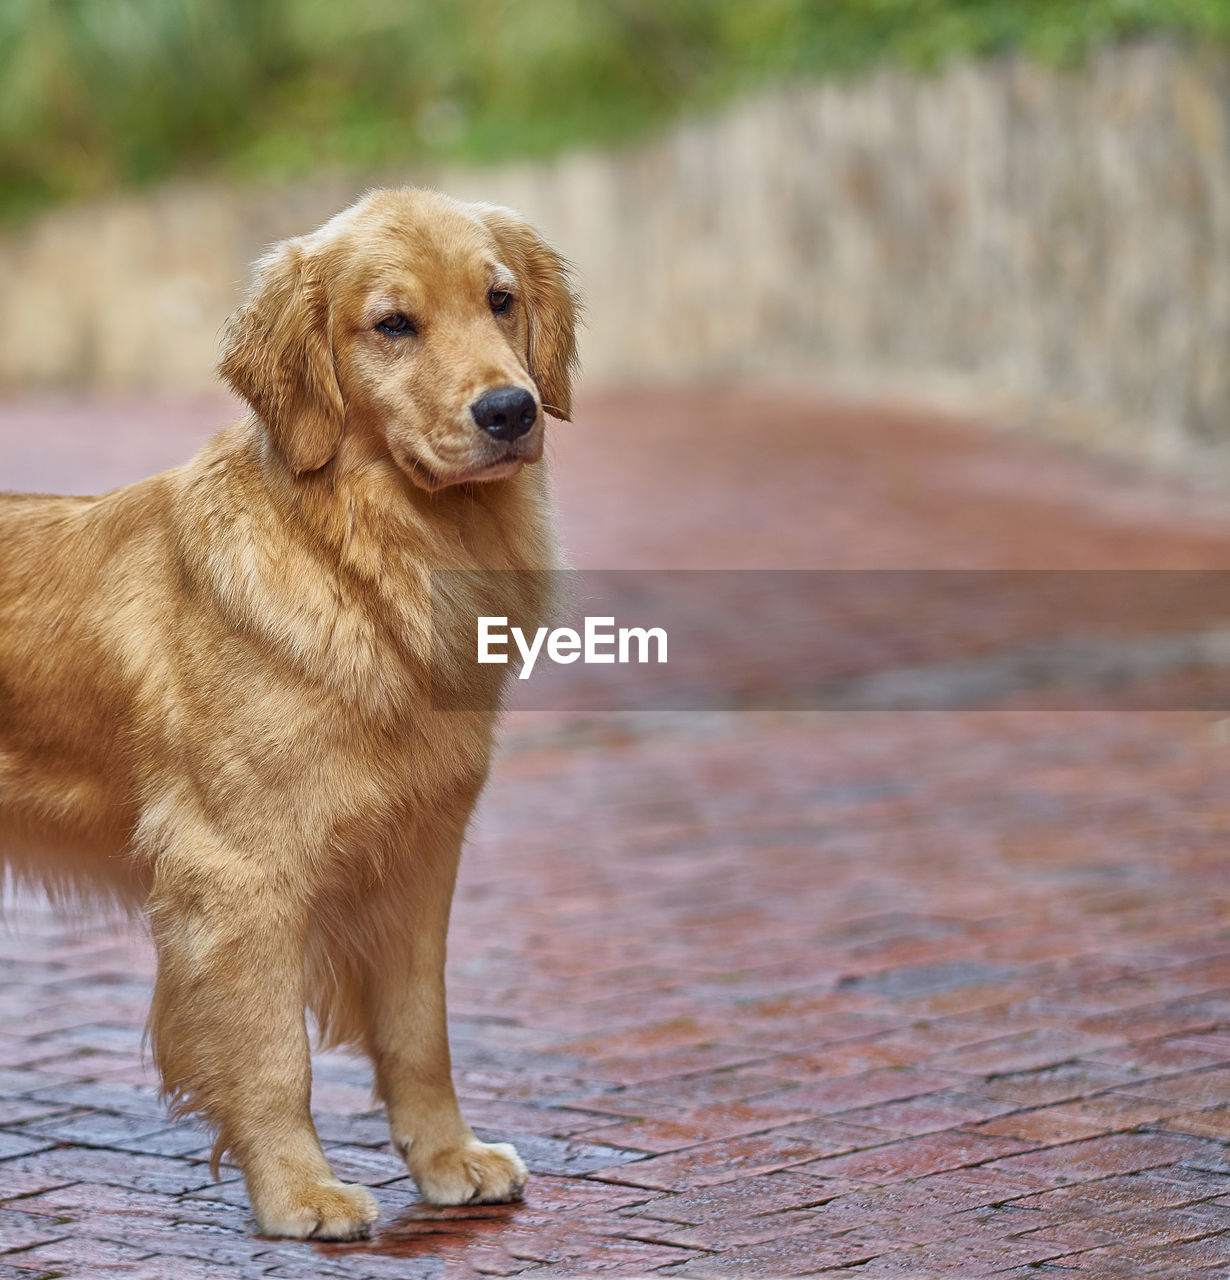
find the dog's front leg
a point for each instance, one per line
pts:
(407, 1037)
(229, 1035)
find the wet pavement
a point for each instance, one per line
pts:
(762, 993)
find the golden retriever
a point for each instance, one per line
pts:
(215, 688)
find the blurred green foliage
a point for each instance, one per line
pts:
(101, 94)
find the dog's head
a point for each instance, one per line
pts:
(433, 331)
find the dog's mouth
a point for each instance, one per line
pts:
(433, 479)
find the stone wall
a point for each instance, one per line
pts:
(1052, 247)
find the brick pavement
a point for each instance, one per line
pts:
(862, 994)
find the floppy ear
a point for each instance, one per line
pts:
(552, 306)
(276, 353)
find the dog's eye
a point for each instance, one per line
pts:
(501, 301)
(395, 325)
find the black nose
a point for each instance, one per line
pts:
(505, 412)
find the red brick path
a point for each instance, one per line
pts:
(869, 995)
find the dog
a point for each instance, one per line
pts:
(216, 685)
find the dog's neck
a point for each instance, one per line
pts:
(349, 595)
(364, 510)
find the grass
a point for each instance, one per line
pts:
(98, 95)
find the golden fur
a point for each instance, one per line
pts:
(215, 691)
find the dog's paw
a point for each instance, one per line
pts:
(320, 1211)
(473, 1173)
